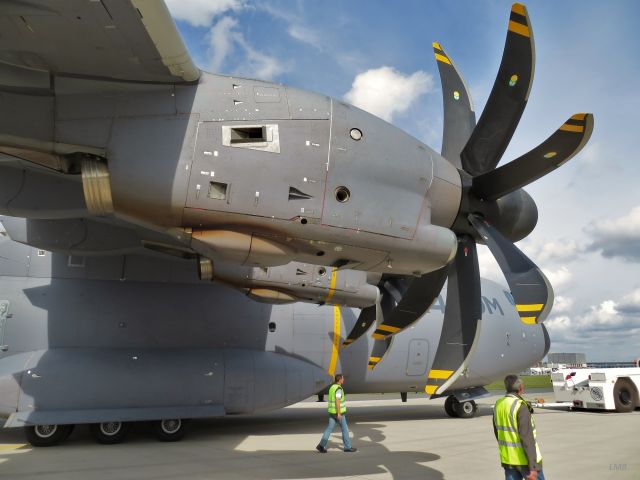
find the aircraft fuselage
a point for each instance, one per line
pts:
(94, 339)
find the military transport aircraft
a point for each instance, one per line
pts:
(130, 181)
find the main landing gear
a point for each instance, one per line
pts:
(47, 435)
(107, 433)
(457, 409)
(171, 430)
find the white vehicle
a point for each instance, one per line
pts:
(599, 388)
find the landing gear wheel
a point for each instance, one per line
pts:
(47, 435)
(624, 396)
(466, 409)
(449, 406)
(109, 433)
(169, 430)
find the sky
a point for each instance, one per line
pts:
(377, 55)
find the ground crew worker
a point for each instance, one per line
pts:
(515, 430)
(337, 409)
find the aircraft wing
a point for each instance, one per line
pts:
(131, 40)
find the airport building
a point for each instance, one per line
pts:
(567, 358)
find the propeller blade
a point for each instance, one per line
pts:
(555, 151)
(459, 117)
(530, 289)
(366, 318)
(463, 313)
(390, 291)
(380, 347)
(419, 295)
(507, 100)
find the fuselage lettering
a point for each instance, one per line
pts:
(491, 305)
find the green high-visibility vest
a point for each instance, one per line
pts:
(509, 441)
(331, 407)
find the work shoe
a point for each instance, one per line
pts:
(321, 449)
(352, 449)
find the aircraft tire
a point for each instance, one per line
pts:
(449, 406)
(169, 429)
(466, 409)
(624, 395)
(109, 433)
(47, 435)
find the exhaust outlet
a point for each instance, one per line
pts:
(96, 187)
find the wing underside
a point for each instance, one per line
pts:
(127, 40)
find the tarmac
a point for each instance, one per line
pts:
(413, 440)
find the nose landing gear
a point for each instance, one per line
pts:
(457, 409)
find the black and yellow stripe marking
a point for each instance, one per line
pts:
(529, 312)
(439, 53)
(383, 331)
(577, 123)
(373, 361)
(518, 20)
(332, 285)
(436, 379)
(335, 344)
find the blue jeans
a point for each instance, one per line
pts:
(515, 474)
(333, 421)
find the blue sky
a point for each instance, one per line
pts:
(588, 60)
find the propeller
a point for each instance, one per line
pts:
(507, 99)
(494, 210)
(380, 347)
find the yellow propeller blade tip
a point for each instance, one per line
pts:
(519, 8)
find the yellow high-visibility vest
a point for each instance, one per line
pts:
(331, 407)
(509, 441)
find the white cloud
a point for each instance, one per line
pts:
(221, 41)
(633, 297)
(559, 278)
(200, 13)
(630, 303)
(562, 304)
(548, 253)
(560, 323)
(591, 153)
(385, 92)
(607, 324)
(260, 65)
(558, 250)
(306, 35)
(224, 39)
(628, 225)
(602, 328)
(604, 314)
(619, 237)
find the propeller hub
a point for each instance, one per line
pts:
(514, 215)
(517, 215)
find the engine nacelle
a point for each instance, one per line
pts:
(265, 175)
(295, 282)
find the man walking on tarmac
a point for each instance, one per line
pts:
(337, 408)
(515, 430)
